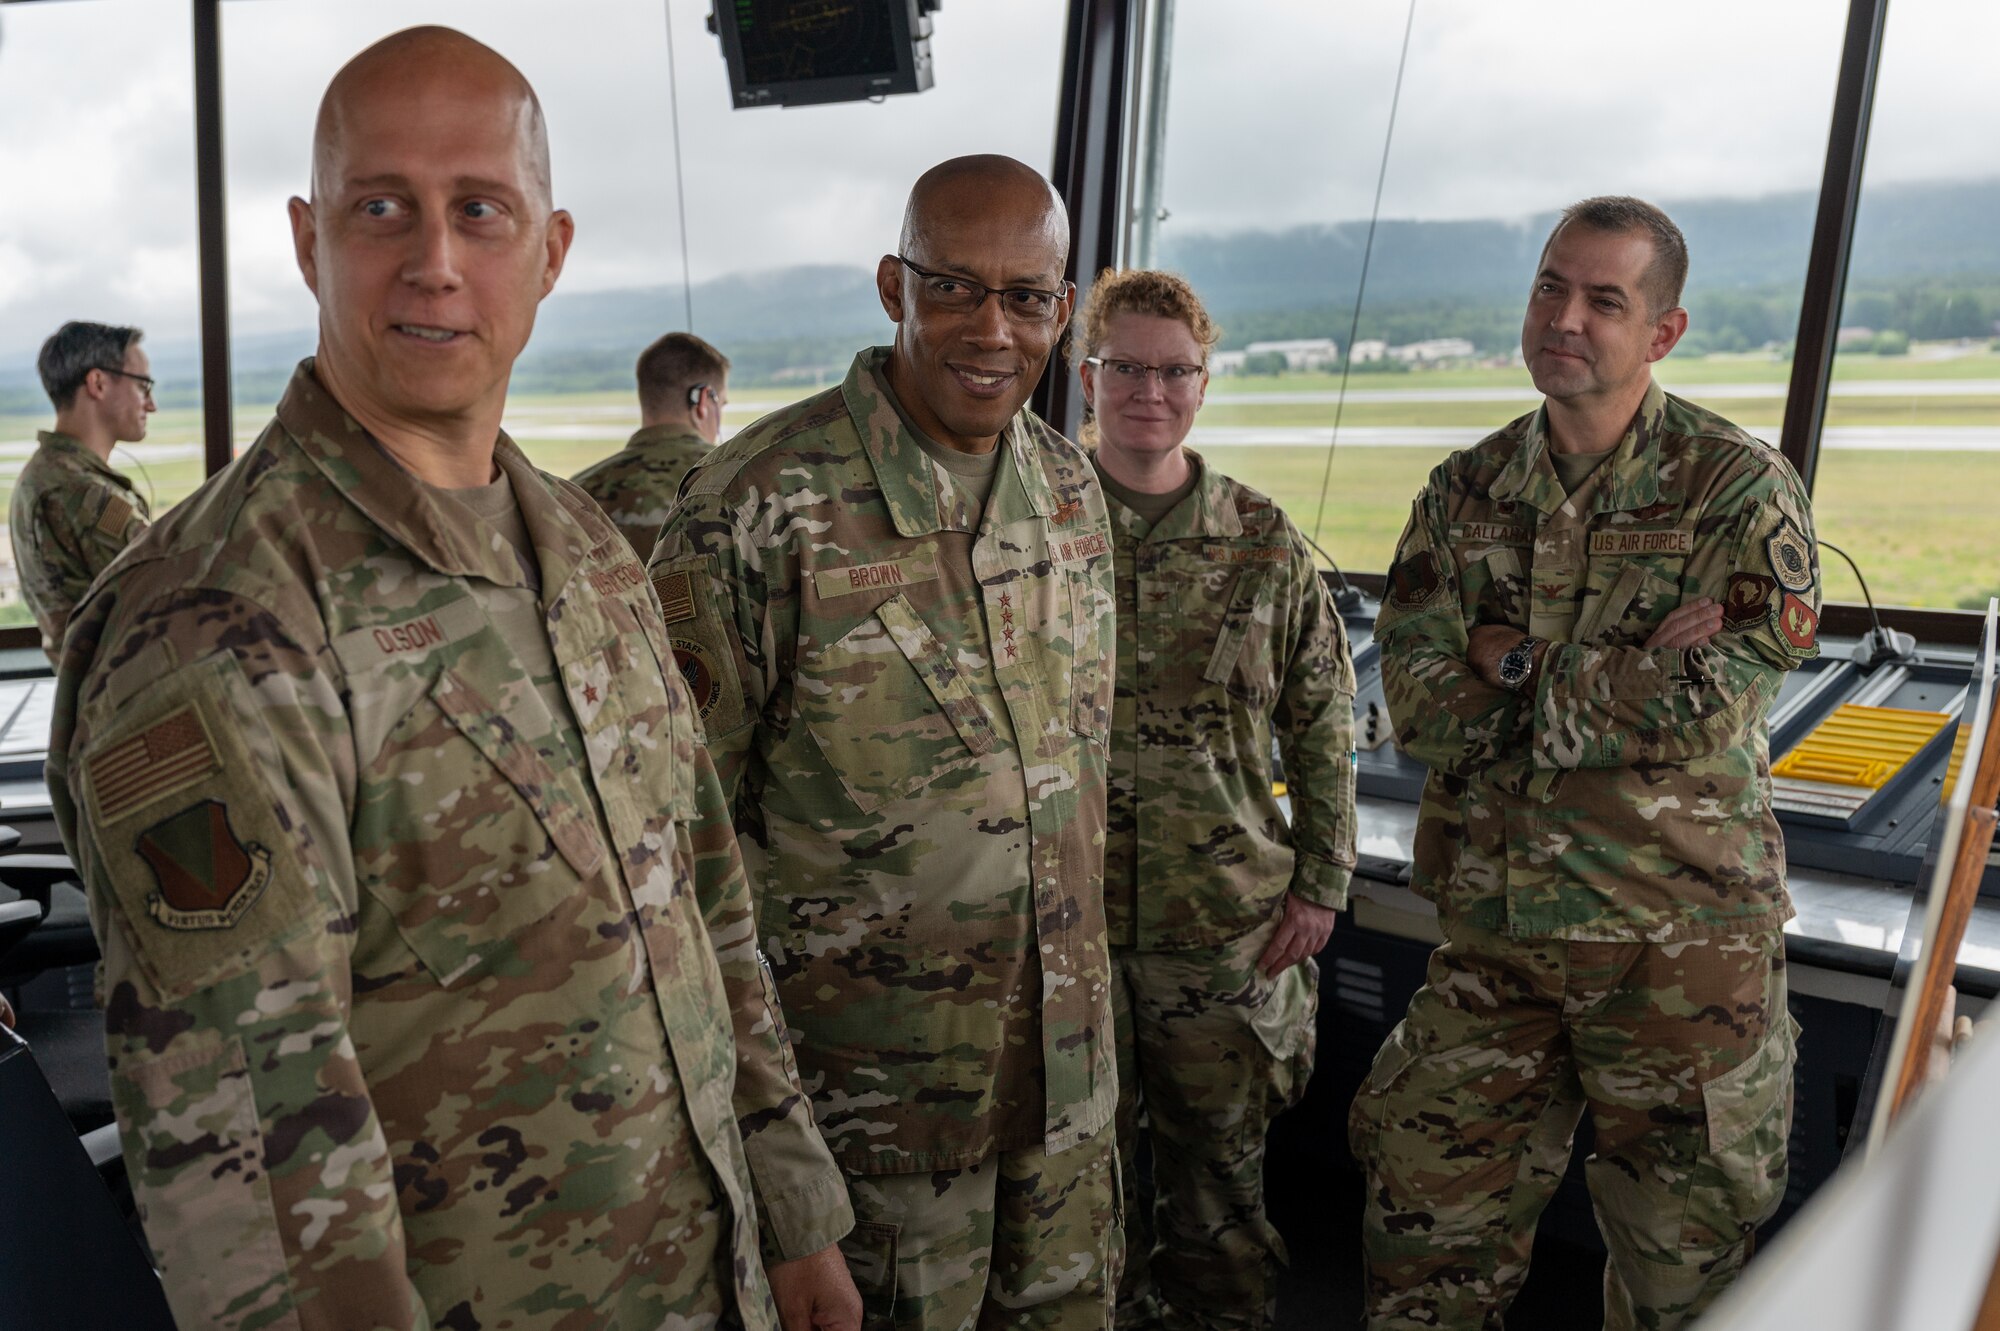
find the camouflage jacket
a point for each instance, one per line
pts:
(1225, 636)
(1626, 794)
(910, 703)
(396, 1034)
(71, 515)
(636, 485)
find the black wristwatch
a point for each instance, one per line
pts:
(1519, 660)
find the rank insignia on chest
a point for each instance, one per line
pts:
(206, 878)
(1791, 557)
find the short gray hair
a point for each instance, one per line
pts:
(1667, 274)
(75, 350)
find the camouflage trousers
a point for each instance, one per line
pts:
(1209, 1052)
(1681, 1052)
(1021, 1239)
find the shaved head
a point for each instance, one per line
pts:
(984, 183)
(420, 67)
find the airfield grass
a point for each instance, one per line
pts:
(1920, 524)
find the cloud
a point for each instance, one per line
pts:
(1277, 114)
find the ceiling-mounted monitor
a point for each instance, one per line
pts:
(799, 52)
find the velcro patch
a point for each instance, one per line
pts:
(1415, 582)
(885, 573)
(1653, 541)
(117, 512)
(409, 638)
(676, 593)
(1078, 549)
(619, 578)
(1236, 554)
(1791, 557)
(169, 755)
(703, 685)
(1746, 602)
(205, 876)
(1797, 624)
(1486, 533)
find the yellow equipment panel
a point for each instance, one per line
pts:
(1860, 746)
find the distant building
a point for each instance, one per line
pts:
(1852, 335)
(1227, 362)
(1370, 349)
(1433, 349)
(1301, 353)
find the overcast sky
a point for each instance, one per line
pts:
(1276, 118)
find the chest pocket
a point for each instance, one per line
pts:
(465, 833)
(889, 708)
(1246, 656)
(1638, 596)
(1093, 617)
(1495, 583)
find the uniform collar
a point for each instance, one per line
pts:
(1208, 510)
(908, 479)
(1630, 479)
(454, 543)
(71, 449)
(648, 437)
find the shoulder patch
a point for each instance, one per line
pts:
(676, 596)
(117, 512)
(1746, 602)
(1790, 556)
(171, 754)
(204, 874)
(1797, 624)
(1415, 582)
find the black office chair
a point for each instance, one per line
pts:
(48, 972)
(67, 1258)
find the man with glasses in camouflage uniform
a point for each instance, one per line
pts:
(72, 514)
(893, 604)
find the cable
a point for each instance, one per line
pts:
(1873, 618)
(1349, 597)
(1361, 289)
(152, 499)
(680, 188)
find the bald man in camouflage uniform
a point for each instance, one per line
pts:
(432, 992)
(900, 645)
(683, 386)
(1582, 643)
(72, 512)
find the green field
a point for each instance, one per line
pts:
(1919, 523)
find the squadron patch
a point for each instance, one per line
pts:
(1415, 582)
(205, 877)
(703, 685)
(1747, 601)
(1797, 624)
(1791, 557)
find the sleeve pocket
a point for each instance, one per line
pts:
(197, 1161)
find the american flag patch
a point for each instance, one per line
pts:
(164, 757)
(676, 595)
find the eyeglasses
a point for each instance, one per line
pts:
(145, 383)
(1131, 373)
(959, 295)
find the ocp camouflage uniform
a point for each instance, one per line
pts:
(1226, 637)
(424, 929)
(908, 699)
(70, 517)
(1607, 870)
(636, 485)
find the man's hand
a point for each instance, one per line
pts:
(816, 1293)
(1301, 934)
(1689, 625)
(1484, 647)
